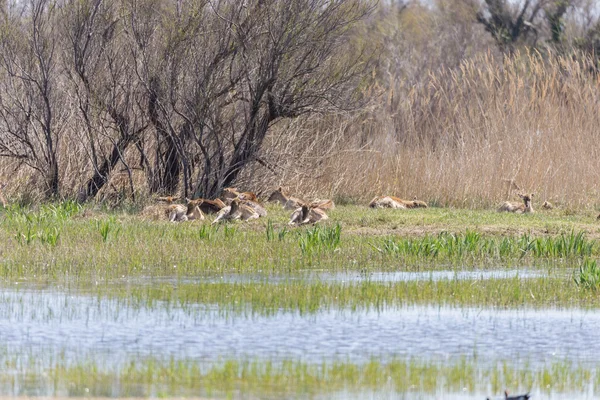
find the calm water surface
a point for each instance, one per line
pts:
(354, 276)
(81, 326)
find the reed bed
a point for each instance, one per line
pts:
(460, 135)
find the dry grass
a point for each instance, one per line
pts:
(461, 138)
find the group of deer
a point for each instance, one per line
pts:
(231, 205)
(509, 206)
(234, 205)
(525, 207)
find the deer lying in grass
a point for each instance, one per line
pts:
(293, 203)
(288, 202)
(396, 203)
(259, 209)
(193, 211)
(516, 207)
(237, 210)
(166, 209)
(210, 206)
(232, 193)
(307, 215)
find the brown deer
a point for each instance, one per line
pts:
(193, 211)
(237, 210)
(293, 203)
(288, 202)
(232, 193)
(307, 215)
(516, 207)
(396, 202)
(210, 206)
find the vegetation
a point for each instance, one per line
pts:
(589, 275)
(462, 104)
(143, 378)
(65, 241)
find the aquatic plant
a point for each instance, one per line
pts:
(319, 238)
(474, 245)
(588, 276)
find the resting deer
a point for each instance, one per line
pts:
(387, 202)
(174, 212)
(293, 203)
(232, 193)
(237, 210)
(418, 203)
(210, 206)
(260, 210)
(322, 204)
(288, 202)
(307, 215)
(395, 202)
(177, 212)
(516, 207)
(193, 211)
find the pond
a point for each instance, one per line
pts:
(43, 327)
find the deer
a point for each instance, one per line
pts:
(547, 205)
(210, 206)
(288, 202)
(396, 203)
(516, 207)
(293, 203)
(307, 215)
(236, 210)
(232, 193)
(193, 211)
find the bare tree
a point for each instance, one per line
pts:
(508, 22)
(31, 105)
(232, 69)
(99, 66)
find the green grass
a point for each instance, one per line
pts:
(56, 242)
(474, 246)
(284, 378)
(264, 298)
(152, 264)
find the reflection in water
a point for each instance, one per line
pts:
(44, 325)
(351, 277)
(81, 326)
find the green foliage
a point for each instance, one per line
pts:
(26, 236)
(271, 234)
(589, 275)
(451, 246)
(108, 228)
(319, 238)
(45, 223)
(206, 232)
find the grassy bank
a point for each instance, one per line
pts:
(58, 242)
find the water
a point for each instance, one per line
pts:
(78, 327)
(352, 276)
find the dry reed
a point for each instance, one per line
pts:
(460, 139)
